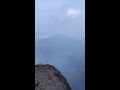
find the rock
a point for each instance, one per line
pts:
(47, 77)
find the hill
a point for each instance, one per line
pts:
(47, 77)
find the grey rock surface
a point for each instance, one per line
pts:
(47, 77)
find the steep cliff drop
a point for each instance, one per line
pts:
(47, 77)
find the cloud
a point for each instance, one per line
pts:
(73, 13)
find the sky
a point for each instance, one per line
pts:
(59, 17)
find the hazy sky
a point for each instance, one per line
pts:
(59, 16)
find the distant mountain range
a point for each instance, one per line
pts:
(58, 46)
(65, 53)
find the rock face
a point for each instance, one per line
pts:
(47, 77)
